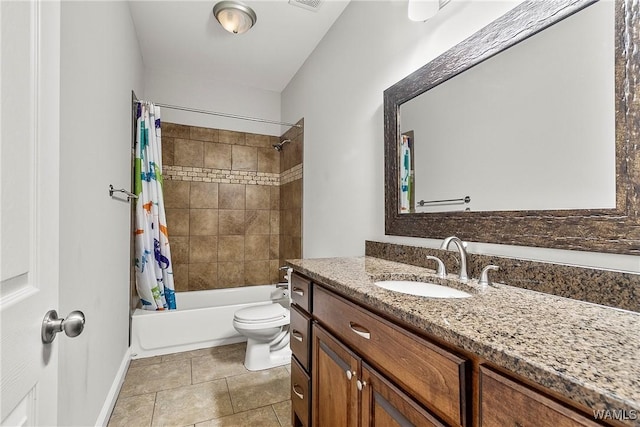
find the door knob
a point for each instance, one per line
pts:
(72, 325)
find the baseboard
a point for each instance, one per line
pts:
(110, 401)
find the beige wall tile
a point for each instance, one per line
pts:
(275, 275)
(231, 137)
(244, 158)
(203, 276)
(256, 272)
(203, 134)
(296, 222)
(179, 249)
(167, 150)
(174, 130)
(258, 196)
(231, 274)
(203, 249)
(274, 221)
(257, 222)
(204, 195)
(256, 247)
(296, 194)
(275, 197)
(188, 153)
(268, 160)
(274, 246)
(232, 222)
(181, 277)
(217, 156)
(231, 248)
(176, 194)
(177, 222)
(257, 140)
(203, 222)
(231, 196)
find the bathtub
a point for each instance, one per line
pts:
(203, 319)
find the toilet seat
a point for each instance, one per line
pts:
(266, 315)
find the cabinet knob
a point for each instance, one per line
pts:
(350, 374)
(361, 384)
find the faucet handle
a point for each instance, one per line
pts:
(484, 276)
(442, 271)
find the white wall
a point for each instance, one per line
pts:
(213, 95)
(100, 65)
(338, 91)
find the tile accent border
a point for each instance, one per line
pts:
(610, 288)
(226, 176)
(291, 175)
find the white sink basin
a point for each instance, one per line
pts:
(423, 289)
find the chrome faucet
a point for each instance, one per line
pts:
(463, 255)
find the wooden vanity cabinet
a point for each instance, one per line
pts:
(506, 402)
(349, 392)
(300, 343)
(365, 370)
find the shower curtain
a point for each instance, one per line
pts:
(154, 270)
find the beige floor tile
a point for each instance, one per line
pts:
(260, 388)
(261, 417)
(192, 404)
(283, 412)
(203, 352)
(219, 365)
(160, 376)
(145, 361)
(135, 411)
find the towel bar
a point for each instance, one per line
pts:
(129, 194)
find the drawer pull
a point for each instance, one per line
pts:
(298, 291)
(364, 333)
(296, 335)
(295, 389)
(361, 384)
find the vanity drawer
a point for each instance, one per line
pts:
(504, 402)
(301, 291)
(300, 399)
(428, 373)
(300, 333)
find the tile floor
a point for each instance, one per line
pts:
(203, 388)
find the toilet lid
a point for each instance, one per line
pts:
(260, 313)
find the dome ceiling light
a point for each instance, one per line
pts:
(234, 16)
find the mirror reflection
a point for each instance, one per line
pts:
(532, 128)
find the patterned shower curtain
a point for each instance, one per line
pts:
(154, 271)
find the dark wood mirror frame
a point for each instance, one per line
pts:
(606, 230)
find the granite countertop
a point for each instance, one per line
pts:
(587, 352)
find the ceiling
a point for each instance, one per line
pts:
(183, 37)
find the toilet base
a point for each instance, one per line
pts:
(259, 356)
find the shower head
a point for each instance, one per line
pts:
(278, 147)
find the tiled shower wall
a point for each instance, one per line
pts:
(291, 195)
(222, 200)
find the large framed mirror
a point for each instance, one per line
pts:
(526, 133)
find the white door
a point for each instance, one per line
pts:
(29, 208)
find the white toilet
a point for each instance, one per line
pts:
(267, 330)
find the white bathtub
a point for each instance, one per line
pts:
(203, 319)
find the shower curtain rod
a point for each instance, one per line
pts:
(215, 113)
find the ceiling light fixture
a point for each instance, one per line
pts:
(422, 10)
(234, 16)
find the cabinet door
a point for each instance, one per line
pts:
(504, 402)
(334, 395)
(384, 405)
